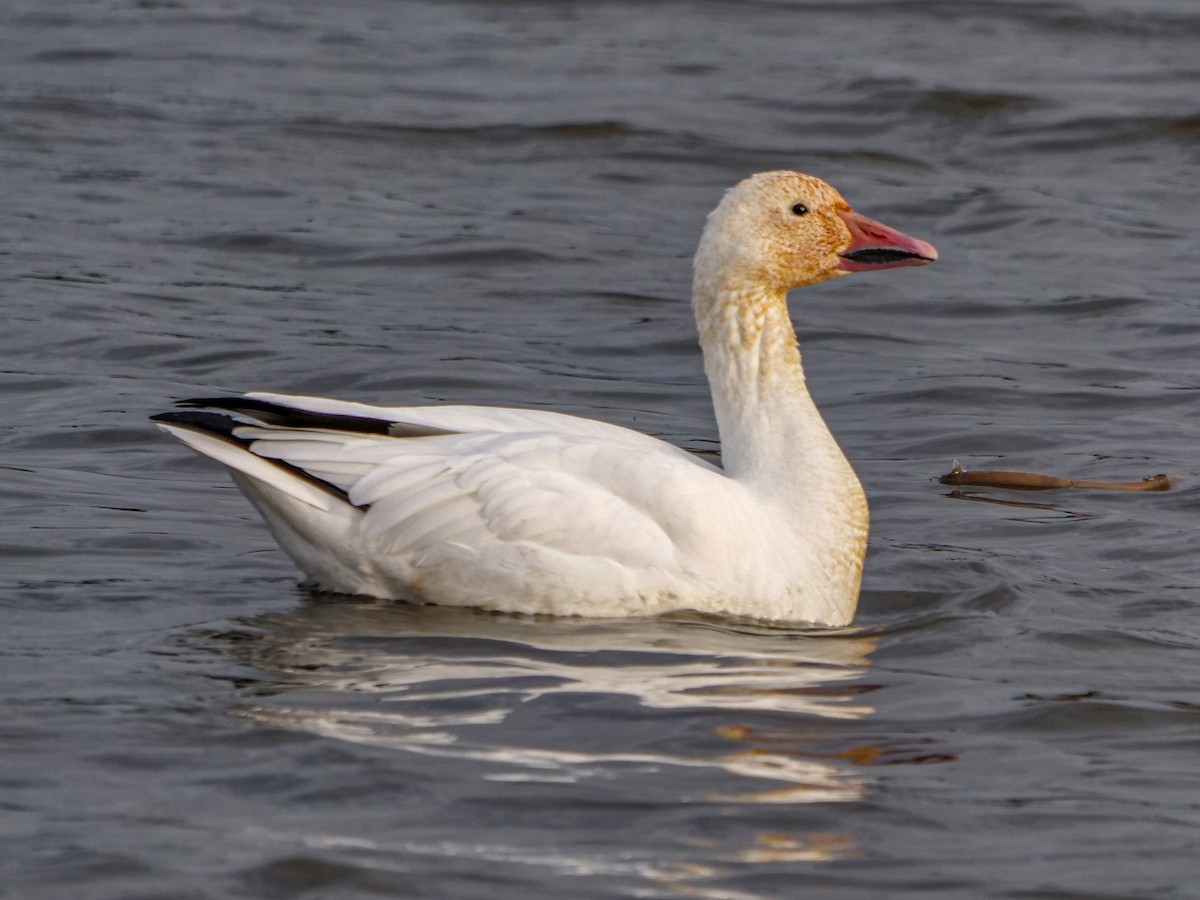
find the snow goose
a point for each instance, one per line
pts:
(542, 512)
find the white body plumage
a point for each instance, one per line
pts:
(540, 512)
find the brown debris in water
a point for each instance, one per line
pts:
(1034, 481)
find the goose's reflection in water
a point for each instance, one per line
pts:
(721, 716)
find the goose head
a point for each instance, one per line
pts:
(777, 231)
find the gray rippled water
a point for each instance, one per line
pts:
(496, 202)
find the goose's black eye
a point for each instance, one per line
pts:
(800, 209)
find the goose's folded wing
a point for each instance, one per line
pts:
(564, 492)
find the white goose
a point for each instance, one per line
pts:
(542, 512)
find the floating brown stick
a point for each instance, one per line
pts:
(1033, 481)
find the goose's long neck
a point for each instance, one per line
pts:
(771, 430)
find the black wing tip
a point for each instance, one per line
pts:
(280, 416)
(222, 425)
(207, 422)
